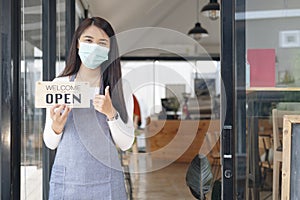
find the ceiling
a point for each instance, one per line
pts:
(176, 15)
(173, 15)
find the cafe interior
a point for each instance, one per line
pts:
(208, 129)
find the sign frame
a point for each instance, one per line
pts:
(73, 94)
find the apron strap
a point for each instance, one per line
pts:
(72, 78)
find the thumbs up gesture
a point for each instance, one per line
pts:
(103, 104)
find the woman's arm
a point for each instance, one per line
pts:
(123, 133)
(51, 139)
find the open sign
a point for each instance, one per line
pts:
(73, 94)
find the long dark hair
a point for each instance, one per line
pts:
(110, 69)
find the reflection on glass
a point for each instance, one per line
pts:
(32, 126)
(60, 36)
(175, 98)
(273, 81)
(166, 80)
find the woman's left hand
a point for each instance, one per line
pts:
(103, 104)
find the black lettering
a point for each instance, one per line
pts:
(77, 98)
(49, 98)
(67, 98)
(58, 97)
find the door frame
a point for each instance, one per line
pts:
(233, 100)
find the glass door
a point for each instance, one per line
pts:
(33, 160)
(31, 118)
(264, 59)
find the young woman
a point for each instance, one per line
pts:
(87, 164)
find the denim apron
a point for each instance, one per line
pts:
(87, 164)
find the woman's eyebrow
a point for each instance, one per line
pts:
(91, 37)
(103, 39)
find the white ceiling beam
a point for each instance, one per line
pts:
(267, 14)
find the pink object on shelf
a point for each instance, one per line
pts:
(262, 67)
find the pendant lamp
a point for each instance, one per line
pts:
(198, 32)
(211, 10)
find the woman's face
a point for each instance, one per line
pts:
(93, 34)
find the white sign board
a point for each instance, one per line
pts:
(72, 94)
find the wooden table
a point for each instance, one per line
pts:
(179, 140)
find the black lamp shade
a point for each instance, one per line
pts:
(198, 32)
(212, 10)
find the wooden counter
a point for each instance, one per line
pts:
(180, 141)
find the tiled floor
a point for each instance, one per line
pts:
(167, 183)
(31, 183)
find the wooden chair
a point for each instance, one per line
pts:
(265, 145)
(213, 142)
(277, 116)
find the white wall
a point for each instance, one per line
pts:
(148, 79)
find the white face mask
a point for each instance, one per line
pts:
(92, 55)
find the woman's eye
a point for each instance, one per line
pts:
(102, 44)
(88, 41)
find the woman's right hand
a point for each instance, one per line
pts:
(59, 115)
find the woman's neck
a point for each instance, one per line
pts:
(92, 76)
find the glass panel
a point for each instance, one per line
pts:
(166, 79)
(175, 98)
(61, 30)
(79, 15)
(272, 69)
(60, 36)
(31, 71)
